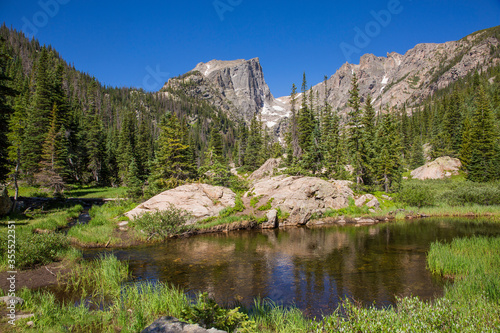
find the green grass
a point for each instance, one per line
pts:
(470, 305)
(88, 192)
(99, 231)
(222, 220)
(473, 262)
(97, 192)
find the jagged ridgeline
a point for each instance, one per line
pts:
(67, 127)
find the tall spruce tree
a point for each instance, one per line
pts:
(482, 166)
(355, 136)
(172, 162)
(388, 164)
(367, 151)
(5, 112)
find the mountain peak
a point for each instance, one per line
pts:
(206, 68)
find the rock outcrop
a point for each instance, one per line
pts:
(302, 197)
(173, 325)
(368, 200)
(438, 169)
(199, 200)
(272, 220)
(266, 170)
(411, 77)
(237, 87)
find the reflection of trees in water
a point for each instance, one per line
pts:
(313, 268)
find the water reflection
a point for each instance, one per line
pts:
(311, 268)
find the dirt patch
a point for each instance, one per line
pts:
(37, 277)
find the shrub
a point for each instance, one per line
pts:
(161, 224)
(417, 195)
(207, 313)
(467, 193)
(38, 249)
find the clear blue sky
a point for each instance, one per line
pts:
(122, 42)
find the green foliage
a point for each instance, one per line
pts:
(207, 313)
(162, 224)
(35, 249)
(416, 195)
(468, 193)
(102, 276)
(473, 262)
(482, 166)
(266, 206)
(238, 207)
(255, 200)
(351, 210)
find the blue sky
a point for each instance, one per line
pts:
(129, 43)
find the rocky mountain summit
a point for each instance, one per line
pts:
(397, 79)
(236, 87)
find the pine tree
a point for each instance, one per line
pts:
(292, 139)
(253, 154)
(51, 170)
(305, 121)
(484, 137)
(388, 162)
(17, 125)
(417, 158)
(465, 153)
(355, 136)
(127, 146)
(5, 112)
(38, 115)
(367, 152)
(172, 162)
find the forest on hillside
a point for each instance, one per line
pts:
(60, 126)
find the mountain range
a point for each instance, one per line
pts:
(238, 87)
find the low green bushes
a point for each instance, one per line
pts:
(34, 249)
(206, 312)
(416, 193)
(163, 223)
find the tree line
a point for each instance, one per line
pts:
(374, 148)
(60, 126)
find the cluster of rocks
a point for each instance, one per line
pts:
(298, 198)
(173, 325)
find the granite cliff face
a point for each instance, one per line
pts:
(237, 87)
(397, 79)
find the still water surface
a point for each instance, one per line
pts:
(311, 268)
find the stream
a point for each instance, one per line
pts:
(311, 268)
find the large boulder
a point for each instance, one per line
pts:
(266, 170)
(438, 169)
(272, 220)
(368, 200)
(5, 203)
(302, 196)
(199, 200)
(173, 325)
